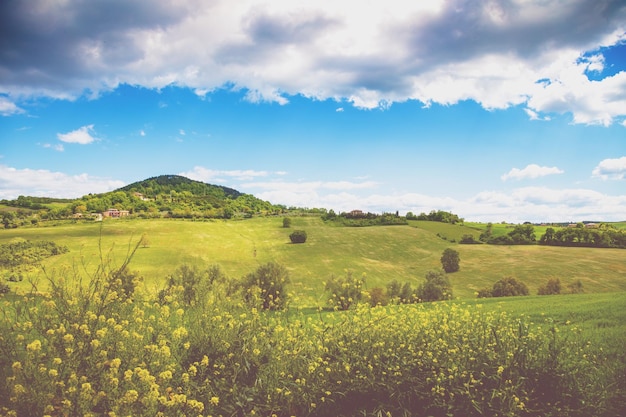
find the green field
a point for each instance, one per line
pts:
(575, 339)
(383, 253)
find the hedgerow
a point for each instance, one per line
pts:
(89, 349)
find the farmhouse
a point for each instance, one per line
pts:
(115, 213)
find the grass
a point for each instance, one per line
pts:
(383, 253)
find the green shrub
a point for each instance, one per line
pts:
(553, 286)
(286, 222)
(298, 236)
(265, 288)
(506, 287)
(344, 291)
(378, 297)
(436, 288)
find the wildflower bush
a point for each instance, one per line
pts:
(346, 291)
(85, 348)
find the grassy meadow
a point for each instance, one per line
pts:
(383, 253)
(94, 352)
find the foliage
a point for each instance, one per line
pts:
(298, 236)
(522, 234)
(436, 288)
(450, 260)
(86, 352)
(469, 239)
(24, 252)
(193, 284)
(344, 291)
(506, 287)
(265, 288)
(581, 236)
(286, 222)
(359, 219)
(378, 297)
(576, 287)
(553, 286)
(401, 293)
(440, 216)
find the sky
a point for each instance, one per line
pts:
(496, 110)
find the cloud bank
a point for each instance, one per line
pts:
(535, 54)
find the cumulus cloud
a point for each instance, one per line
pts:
(530, 172)
(45, 183)
(497, 53)
(8, 108)
(82, 135)
(611, 169)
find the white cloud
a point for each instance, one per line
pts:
(531, 171)
(199, 173)
(436, 52)
(58, 147)
(535, 204)
(8, 108)
(45, 183)
(82, 135)
(614, 169)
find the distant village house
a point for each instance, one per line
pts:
(115, 213)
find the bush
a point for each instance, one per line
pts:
(298, 236)
(401, 293)
(553, 286)
(576, 287)
(450, 260)
(265, 288)
(436, 288)
(378, 297)
(286, 222)
(468, 239)
(508, 287)
(344, 291)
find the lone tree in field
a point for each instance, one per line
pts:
(298, 236)
(450, 260)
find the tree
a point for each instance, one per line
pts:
(437, 287)
(509, 286)
(523, 234)
(298, 236)
(266, 286)
(450, 260)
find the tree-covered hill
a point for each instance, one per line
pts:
(176, 196)
(165, 184)
(163, 196)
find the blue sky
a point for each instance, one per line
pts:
(496, 110)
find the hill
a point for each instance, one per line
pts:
(162, 196)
